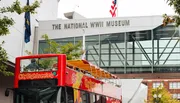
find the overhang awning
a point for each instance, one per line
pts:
(9, 63)
(87, 66)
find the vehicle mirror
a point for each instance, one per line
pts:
(7, 93)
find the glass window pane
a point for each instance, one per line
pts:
(38, 64)
(174, 95)
(42, 46)
(84, 96)
(45, 95)
(98, 99)
(162, 36)
(92, 47)
(70, 94)
(157, 84)
(178, 96)
(139, 47)
(103, 99)
(92, 98)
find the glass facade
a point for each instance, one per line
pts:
(147, 51)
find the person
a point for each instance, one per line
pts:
(33, 65)
(88, 74)
(77, 69)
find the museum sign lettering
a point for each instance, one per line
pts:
(97, 24)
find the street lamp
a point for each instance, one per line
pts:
(157, 98)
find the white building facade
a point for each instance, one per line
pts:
(119, 45)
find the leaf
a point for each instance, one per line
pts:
(165, 96)
(176, 19)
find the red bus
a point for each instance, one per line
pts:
(50, 78)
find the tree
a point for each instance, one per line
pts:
(72, 51)
(161, 95)
(168, 19)
(6, 22)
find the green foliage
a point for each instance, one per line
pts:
(16, 7)
(168, 19)
(161, 95)
(6, 22)
(3, 60)
(72, 51)
(47, 63)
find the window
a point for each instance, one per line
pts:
(103, 99)
(157, 84)
(176, 96)
(84, 97)
(98, 99)
(174, 85)
(92, 98)
(38, 64)
(36, 95)
(70, 94)
(63, 97)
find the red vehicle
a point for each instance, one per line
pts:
(50, 78)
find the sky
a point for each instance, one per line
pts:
(100, 8)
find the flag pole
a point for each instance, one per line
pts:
(27, 31)
(22, 45)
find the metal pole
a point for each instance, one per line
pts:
(22, 44)
(84, 39)
(125, 61)
(99, 63)
(152, 38)
(84, 45)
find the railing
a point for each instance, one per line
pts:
(142, 69)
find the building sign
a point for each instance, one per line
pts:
(97, 24)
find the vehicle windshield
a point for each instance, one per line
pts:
(39, 95)
(38, 64)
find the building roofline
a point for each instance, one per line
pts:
(9, 63)
(103, 18)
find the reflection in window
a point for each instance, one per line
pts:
(84, 96)
(103, 99)
(157, 84)
(70, 94)
(36, 95)
(92, 98)
(177, 96)
(174, 85)
(98, 99)
(63, 98)
(92, 45)
(42, 45)
(38, 64)
(77, 39)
